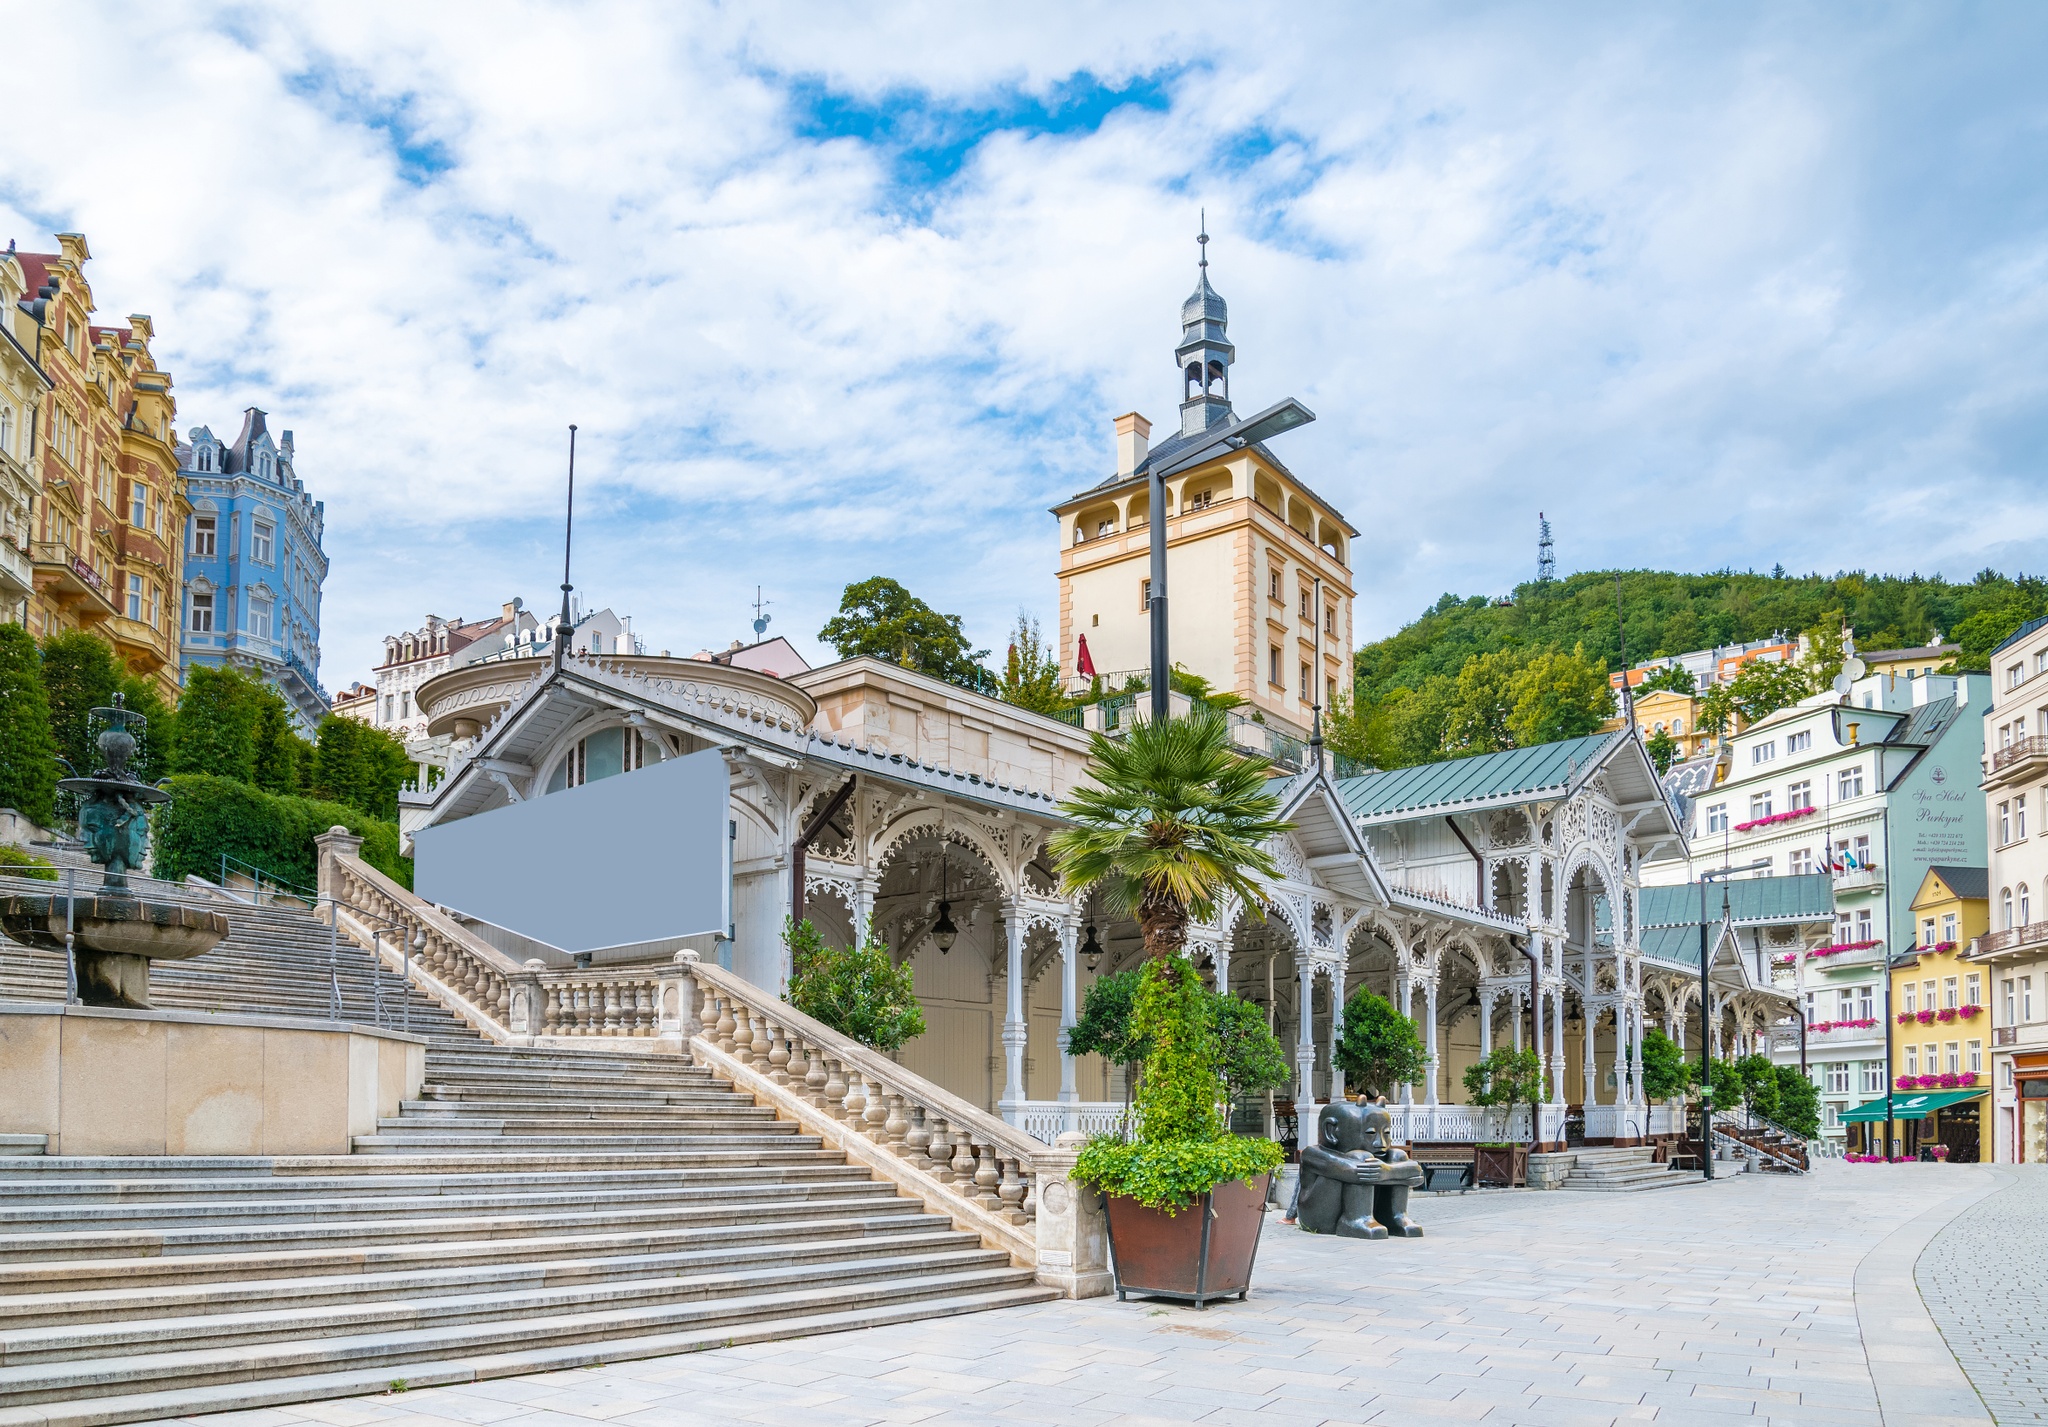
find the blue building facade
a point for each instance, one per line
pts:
(253, 564)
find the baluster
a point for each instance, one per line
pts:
(856, 1097)
(1012, 1192)
(764, 1041)
(778, 1056)
(815, 1078)
(963, 1159)
(876, 1115)
(917, 1140)
(986, 1179)
(835, 1088)
(743, 1036)
(550, 1009)
(727, 1026)
(611, 1007)
(1031, 1198)
(896, 1129)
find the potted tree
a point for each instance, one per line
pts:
(859, 991)
(1380, 1050)
(1175, 820)
(1499, 1082)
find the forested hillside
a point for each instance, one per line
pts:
(1472, 675)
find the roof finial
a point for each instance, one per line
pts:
(1203, 239)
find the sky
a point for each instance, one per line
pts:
(841, 291)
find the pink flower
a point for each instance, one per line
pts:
(1941, 1151)
(1945, 1014)
(1926, 1018)
(1905, 1082)
(1968, 1077)
(1904, 1018)
(1948, 1080)
(1971, 1012)
(1930, 1082)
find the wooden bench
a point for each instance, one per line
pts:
(1439, 1176)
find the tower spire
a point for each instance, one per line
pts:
(1204, 354)
(1203, 238)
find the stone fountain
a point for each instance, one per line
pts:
(113, 934)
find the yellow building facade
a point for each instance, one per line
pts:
(1942, 1019)
(110, 520)
(1258, 565)
(22, 389)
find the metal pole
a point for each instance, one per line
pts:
(1162, 662)
(333, 960)
(1706, 1041)
(377, 975)
(70, 947)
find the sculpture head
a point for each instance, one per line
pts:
(1341, 1127)
(1378, 1130)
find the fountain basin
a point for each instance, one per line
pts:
(114, 938)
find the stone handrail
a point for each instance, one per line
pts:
(986, 1175)
(530, 1004)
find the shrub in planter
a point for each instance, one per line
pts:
(858, 991)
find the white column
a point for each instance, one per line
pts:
(1556, 1028)
(1587, 1066)
(1069, 1013)
(1515, 1002)
(1486, 1000)
(1635, 1056)
(1016, 1030)
(863, 909)
(1305, 1050)
(1405, 1003)
(1336, 1074)
(1219, 957)
(1429, 1093)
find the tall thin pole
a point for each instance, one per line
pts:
(568, 531)
(1706, 1042)
(1628, 698)
(1162, 662)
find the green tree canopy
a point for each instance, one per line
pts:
(1674, 678)
(1559, 696)
(1663, 750)
(28, 748)
(856, 990)
(880, 618)
(1504, 1079)
(1666, 1072)
(217, 724)
(1252, 1060)
(80, 674)
(1798, 1103)
(1031, 671)
(1104, 1025)
(1380, 1050)
(1175, 818)
(281, 757)
(361, 766)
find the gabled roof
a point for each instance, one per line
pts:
(1329, 839)
(1752, 901)
(2013, 638)
(1459, 783)
(1970, 883)
(1730, 964)
(1925, 725)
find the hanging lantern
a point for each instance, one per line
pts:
(1092, 949)
(943, 930)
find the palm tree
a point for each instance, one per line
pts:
(1175, 820)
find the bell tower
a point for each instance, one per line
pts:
(1205, 354)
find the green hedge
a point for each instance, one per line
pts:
(208, 816)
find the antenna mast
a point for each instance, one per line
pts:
(1546, 556)
(568, 530)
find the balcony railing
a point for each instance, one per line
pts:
(2023, 751)
(2013, 938)
(2005, 1035)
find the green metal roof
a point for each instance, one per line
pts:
(1461, 781)
(1909, 1105)
(1673, 944)
(1808, 898)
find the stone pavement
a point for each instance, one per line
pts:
(1985, 1282)
(1693, 1305)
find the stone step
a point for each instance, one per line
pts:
(178, 1187)
(394, 1142)
(427, 1370)
(389, 1343)
(110, 1340)
(23, 1145)
(432, 1275)
(876, 1216)
(814, 1200)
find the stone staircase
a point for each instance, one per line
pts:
(532, 1210)
(1623, 1170)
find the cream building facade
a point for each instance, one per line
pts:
(2014, 953)
(1258, 564)
(23, 387)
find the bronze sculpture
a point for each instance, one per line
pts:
(1354, 1183)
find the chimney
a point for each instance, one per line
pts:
(1133, 433)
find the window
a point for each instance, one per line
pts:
(1973, 1057)
(2004, 823)
(1764, 752)
(206, 458)
(1717, 818)
(1799, 861)
(1844, 925)
(390, 707)
(156, 605)
(1329, 693)
(1973, 989)
(202, 614)
(1845, 1004)
(1305, 676)
(138, 505)
(135, 597)
(2012, 1003)
(2013, 676)
(259, 619)
(1909, 998)
(260, 541)
(1273, 666)
(2026, 907)
(2019, 818)
(1927, 931)
(1948, 993)
(2005, 908)
(1200, 500)
(1304, 605)
(1330, 620)
(1799, 795)
(1144, 594)
(204, 529)
(1838, 1078)
(1849, 783)
(1948, 926)
(405, 703)
(1865, 1003)
(1952, 1061)
(2026, 998)
(1810, 998)
(1913, 1058)
(1759, 805)
(1273, 585)
(1927, 993)
(1873, 1077)
(1799, 742)
(6, 430)
(1863, 924)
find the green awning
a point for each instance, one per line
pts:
(1909, 1105)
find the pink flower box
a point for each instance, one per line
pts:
(1904, 1018)
(1945, 1014)
(1930, 1082)
(1926, 1018)
(1904, 1082)
(1839, 947)
(1774, 819)
(1970, 1013)
(1948, 1080)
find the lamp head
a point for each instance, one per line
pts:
(1091, 948)
(943, 930)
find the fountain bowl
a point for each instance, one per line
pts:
(114, 939)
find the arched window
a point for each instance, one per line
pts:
(603, 754)
(2026, 906)
(1216, 378)
(1194, 382)
(2005, 907)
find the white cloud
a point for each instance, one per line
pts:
(1729, 288)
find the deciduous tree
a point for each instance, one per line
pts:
(880, 618)
(1380, 1050)
(28, 748)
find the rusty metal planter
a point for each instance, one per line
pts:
(1505, 1165)
(1203, 1253)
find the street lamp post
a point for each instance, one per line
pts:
(1719, 874)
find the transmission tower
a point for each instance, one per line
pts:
(1546, 556)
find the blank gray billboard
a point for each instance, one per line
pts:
(638, 857)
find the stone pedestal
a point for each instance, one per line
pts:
(1073, 1227)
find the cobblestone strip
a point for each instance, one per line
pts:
(1985, 1282)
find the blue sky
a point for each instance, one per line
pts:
(834, 292)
